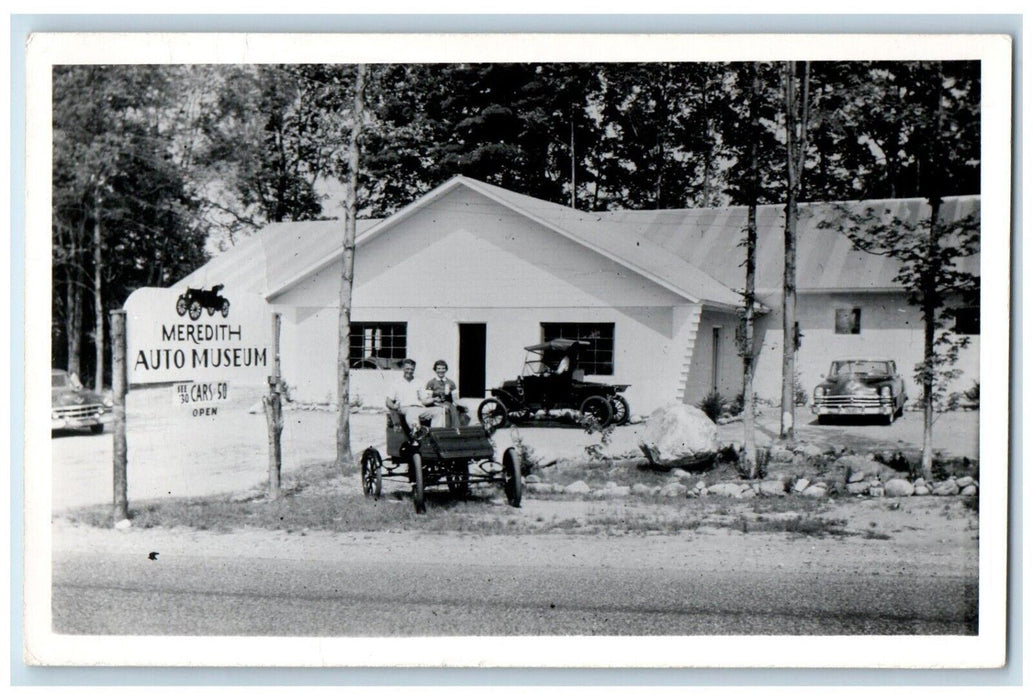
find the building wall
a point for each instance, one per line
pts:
(465, 259)
(729, 364)
(890, 329)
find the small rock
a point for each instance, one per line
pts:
(536, 487)
(578, 487)
(532, 479)
(897, 488)
(877, 491)
(641, 490)
(814, 491)
(857, 487)
(675, 490)
(946, 488)
(801, 485)
(700, 485)
(620, 491)
(726, 488)
(778, 476)
(780, 455)
(677, 473)
(771, 487)
(919, 482)
(921, 490)
(855, 476)
(747, 493)
(703, 492)
(123, 524)
(610, 485)
(969, 490)
(809, 449)
(965, 481)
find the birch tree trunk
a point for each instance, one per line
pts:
(749, 443)
(344, 453)
(796, 149)
(73, 304)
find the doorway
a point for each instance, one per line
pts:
(715, 362)
(472, 341)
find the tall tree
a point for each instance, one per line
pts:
(344, 453)
(796, 117)
(929, 251)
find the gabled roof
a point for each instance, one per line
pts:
(274, 255)
(588, 229)
(826, 259)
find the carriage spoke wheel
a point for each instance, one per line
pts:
(181, 305)
(458, 480)
(621, 410)
(512, 477)
(195, 310)
(418, 496)
(493, 414)
(372, 469)
(599, 408)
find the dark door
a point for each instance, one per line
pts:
(472, 338)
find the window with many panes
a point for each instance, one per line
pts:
(597, 358)
(373, 345)
(848, 321)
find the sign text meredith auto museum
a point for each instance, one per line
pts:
(206, 335)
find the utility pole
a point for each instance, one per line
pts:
(273, 406)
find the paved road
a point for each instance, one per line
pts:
(120, 593)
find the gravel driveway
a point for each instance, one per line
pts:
(171, 454)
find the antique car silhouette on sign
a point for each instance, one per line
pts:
(193, 301)
(860, 388)
(551, 380)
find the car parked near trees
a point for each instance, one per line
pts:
(73, 407)
(552, 380)
(860, 388)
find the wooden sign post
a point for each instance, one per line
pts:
(120, 510)
(273, 405)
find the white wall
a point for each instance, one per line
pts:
(465, 259)
(890, 329)
(729, 369)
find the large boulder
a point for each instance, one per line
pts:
(898, 488)
(677, 433)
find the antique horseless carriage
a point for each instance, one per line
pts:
(552, 380)
(193, 301)
(456, 456)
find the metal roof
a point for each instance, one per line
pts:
(671, 247)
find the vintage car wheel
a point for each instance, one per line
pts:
(372, 467)
(492, 414)
(225, 308)
(195, 310)
(416, 475)
(458, 480)
(621, 410)
(599, 408)
(181, 305)
(97, 429)
(211, 311)
(512, 477)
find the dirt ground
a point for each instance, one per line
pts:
(172, 454)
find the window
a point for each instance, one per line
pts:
(595, 359)
(848, 321)
(966, 320)
(376, 345)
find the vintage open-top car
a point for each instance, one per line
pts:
(457, 455)
(552, 380)
(72, 406)
(860, 388)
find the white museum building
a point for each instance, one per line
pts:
(471, 273)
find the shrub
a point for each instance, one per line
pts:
(711, 405)
(736, 405)
(973, 394)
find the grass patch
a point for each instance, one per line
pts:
(802, 525)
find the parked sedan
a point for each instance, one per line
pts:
(72, 406)
(860, 388)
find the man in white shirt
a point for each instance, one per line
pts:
(407, 396)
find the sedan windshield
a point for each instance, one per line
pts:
(861, 367)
